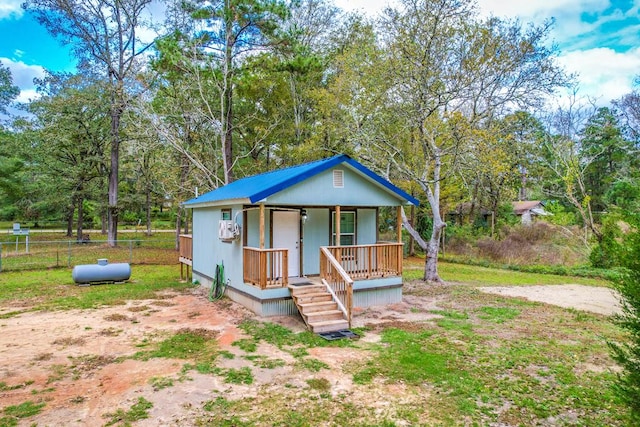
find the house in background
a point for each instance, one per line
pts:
(527, 210)
(301, 239)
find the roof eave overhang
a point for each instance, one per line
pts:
(217, 203)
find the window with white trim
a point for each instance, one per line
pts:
(347, 228)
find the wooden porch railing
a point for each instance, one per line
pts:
(338, 281)
(186, 248)
(369, 261)
(266, 268)
(186, 254)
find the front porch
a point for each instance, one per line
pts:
(267, 268)
(356, 276)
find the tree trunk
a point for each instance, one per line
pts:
(472, 206)
(412, 241)
(72, 209)
(433, 248)
(522, 194)
(227, 104)
(178, 227)
(148, 209)
(80, 219)
(433, 196)
(112, 208)
(103, 221)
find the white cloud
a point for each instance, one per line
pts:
(27, 95)
(603, 73)
(540, 9)
(10, 8)
(23, 76)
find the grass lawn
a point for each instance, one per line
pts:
(462, 273)
(54, 249)
(464, 357)
(55, 289)
(486, 360)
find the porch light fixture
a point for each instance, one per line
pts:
(303, 215)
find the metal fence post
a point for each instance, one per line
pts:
(0, 256)
(130, 251)
(69, 255)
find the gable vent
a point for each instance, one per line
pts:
(338, 178)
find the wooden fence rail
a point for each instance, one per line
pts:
(369, 261)
(186, 247)
(266, 268)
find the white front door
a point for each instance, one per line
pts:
(286, 234)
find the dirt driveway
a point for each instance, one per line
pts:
(78, 363)
(588, 298)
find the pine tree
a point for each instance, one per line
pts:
(627, 354)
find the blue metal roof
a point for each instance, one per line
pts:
(258, 187)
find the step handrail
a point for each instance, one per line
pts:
(341, 306)
(332, 273)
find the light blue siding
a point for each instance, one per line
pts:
(318, 190)
(209, 250)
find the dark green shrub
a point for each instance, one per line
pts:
(605, 253)
(627, 354)
(562, 215)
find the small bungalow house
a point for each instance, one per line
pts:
(528, 209)
(301, 239)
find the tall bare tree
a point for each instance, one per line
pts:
(448, 71)
(103, 33)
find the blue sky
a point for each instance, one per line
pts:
(598, 39)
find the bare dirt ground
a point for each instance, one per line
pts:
(588, 298)
(78, 361)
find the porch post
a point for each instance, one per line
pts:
(399, 231)
(337, 223)
(399, 223)
(261, 225)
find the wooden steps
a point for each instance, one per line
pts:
(318, 309)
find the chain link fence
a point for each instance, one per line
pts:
(22, 254)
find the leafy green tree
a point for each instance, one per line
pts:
(67, 142)
(104, 33)
(226, 31)
(303, 61)
(607, 152)
(11, 176)
(8, 92)
(491, 165)
(625, 194)
(527, 135)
